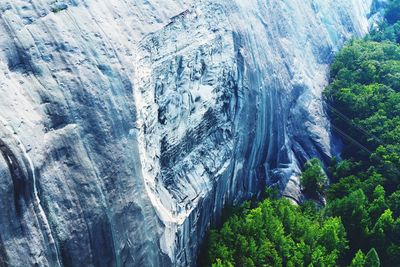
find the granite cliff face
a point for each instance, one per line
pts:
(126, 126)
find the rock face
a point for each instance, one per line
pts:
(126, 126)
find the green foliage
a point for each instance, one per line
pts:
(277, 233)
(364, 96)
(313, 178)
(390, 33)
(389, 30)
(363, 203)
(394, 203)
(358, 260)
(372, 259)
(219, 263)
(393, 12)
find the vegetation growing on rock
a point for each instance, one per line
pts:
(360, 225)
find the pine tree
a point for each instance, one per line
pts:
(372, 259)
(358, 260)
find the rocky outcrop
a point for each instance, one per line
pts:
(126, 126)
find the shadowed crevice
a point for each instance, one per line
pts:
(19, 179)
(3, 254)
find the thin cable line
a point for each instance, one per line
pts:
(355, 142)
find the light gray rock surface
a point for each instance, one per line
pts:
(127, 125)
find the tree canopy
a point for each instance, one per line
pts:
(313, 179)
(360, 224)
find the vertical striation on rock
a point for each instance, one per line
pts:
(126, 126)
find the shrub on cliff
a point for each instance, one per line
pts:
(313, 179)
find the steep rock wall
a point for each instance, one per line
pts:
(126, 126)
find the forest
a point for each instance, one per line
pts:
(360, 223)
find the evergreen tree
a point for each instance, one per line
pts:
(363, 204)
(313, 178)
(358, 260)
(372, 259)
